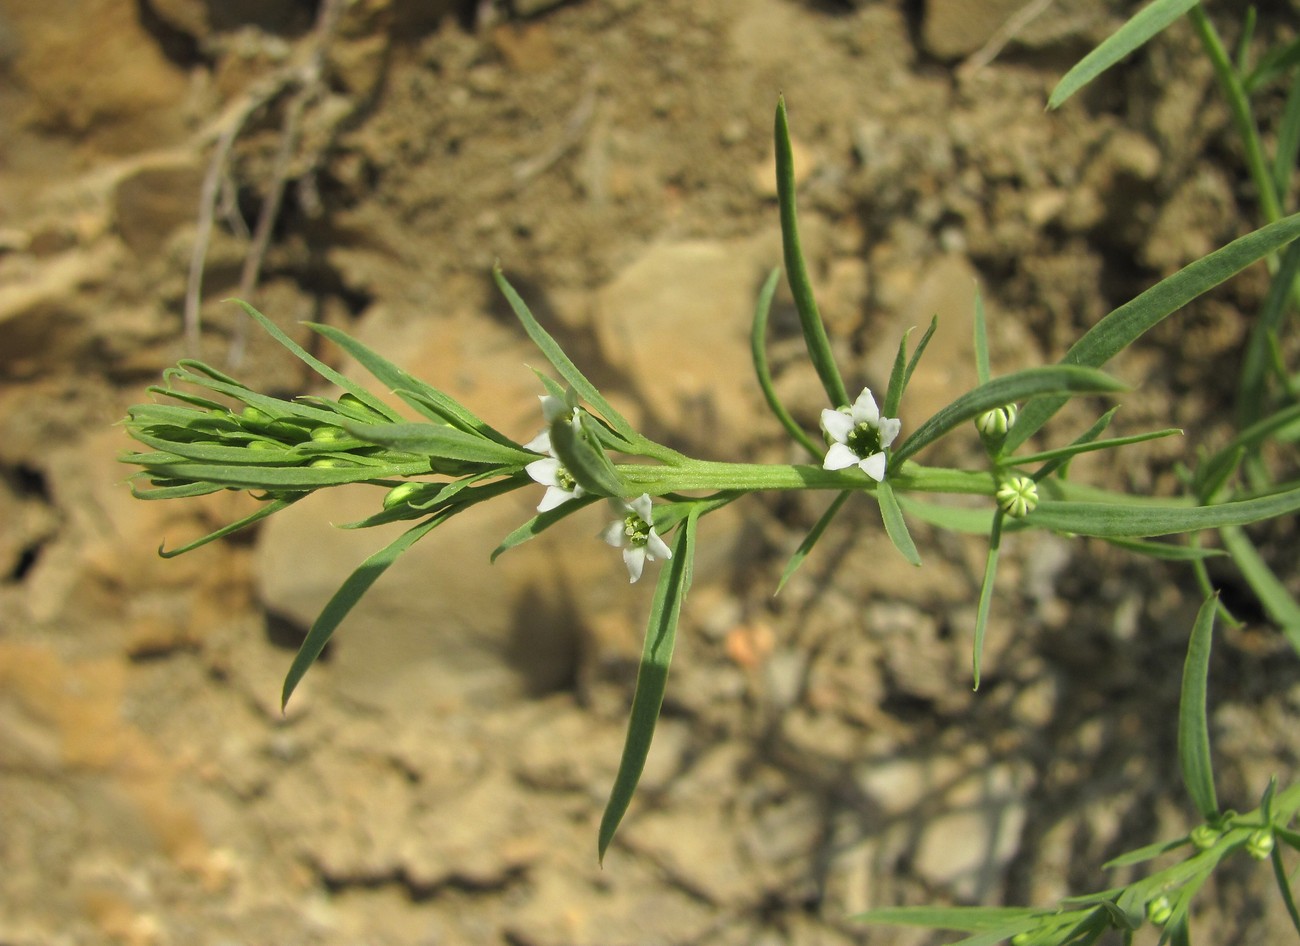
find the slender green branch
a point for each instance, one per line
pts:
(699, 474)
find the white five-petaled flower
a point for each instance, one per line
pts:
(859, 436)
(634, 533)
(550, 472)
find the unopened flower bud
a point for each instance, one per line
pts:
(1017, 495)
(1159, 910)
(328, 434)
(1260, 844)
(1205, 836)
(994, 424)
(401, 494)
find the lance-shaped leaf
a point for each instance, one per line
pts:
(1034, 382)
(541, 522)
(651, 678)
(810, 319)
(440, 441)
(275, 478)
(561, 362)
(324, 370)
(271, 508)
(1193, 725)
(758, 352)
(1130, 321)
(901, 374)
(895, 524)
(586, 460)
(810, 540)
(1143, 25)
(349, 593)
(1134, 520)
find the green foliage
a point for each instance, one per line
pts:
(213, 432)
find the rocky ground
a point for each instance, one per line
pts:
(438, 779)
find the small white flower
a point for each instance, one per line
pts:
(634, 533)
(859, 436)
(559, 482)
(550, 472)
(553, 408)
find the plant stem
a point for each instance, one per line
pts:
(701, 474)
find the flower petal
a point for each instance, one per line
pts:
(642, 507)
(613, 534)
(865, 410)
(634, 559)
(544, 471)
(541, 443)
(839, 457)
(889, 428)
(553, 408)
(874, 466)
(837, 424)
(657, 548)
(555, 496)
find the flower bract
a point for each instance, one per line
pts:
(634, 533)
(859, 437)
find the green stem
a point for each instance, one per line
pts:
(700, 474)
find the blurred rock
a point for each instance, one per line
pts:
(955, 28)
(153, 200)
(677, 322)
(92, 71)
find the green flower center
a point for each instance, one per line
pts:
(637, 530)
(564, 479)
(864, 440)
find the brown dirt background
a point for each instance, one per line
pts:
(440, 777)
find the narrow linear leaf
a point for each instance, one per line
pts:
(895, 525)
(541, 522)
(651, 679)
(349, 593)
(560, 361)
(269, 509)
(810, 319)
(916, 355)
(815, 533)
(1074, 449)
(1143, 854)
(440, 442)
(1124, 325)
(178, 491)
(901, 374)
(1146, 23)
(1255, 364)
(1193, 727)
(294, 477)
(1034, 382)
(1284, 887)
(1166, 552)
(758, 352)
(965, 919)
(1136, 521)
(322, 369)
